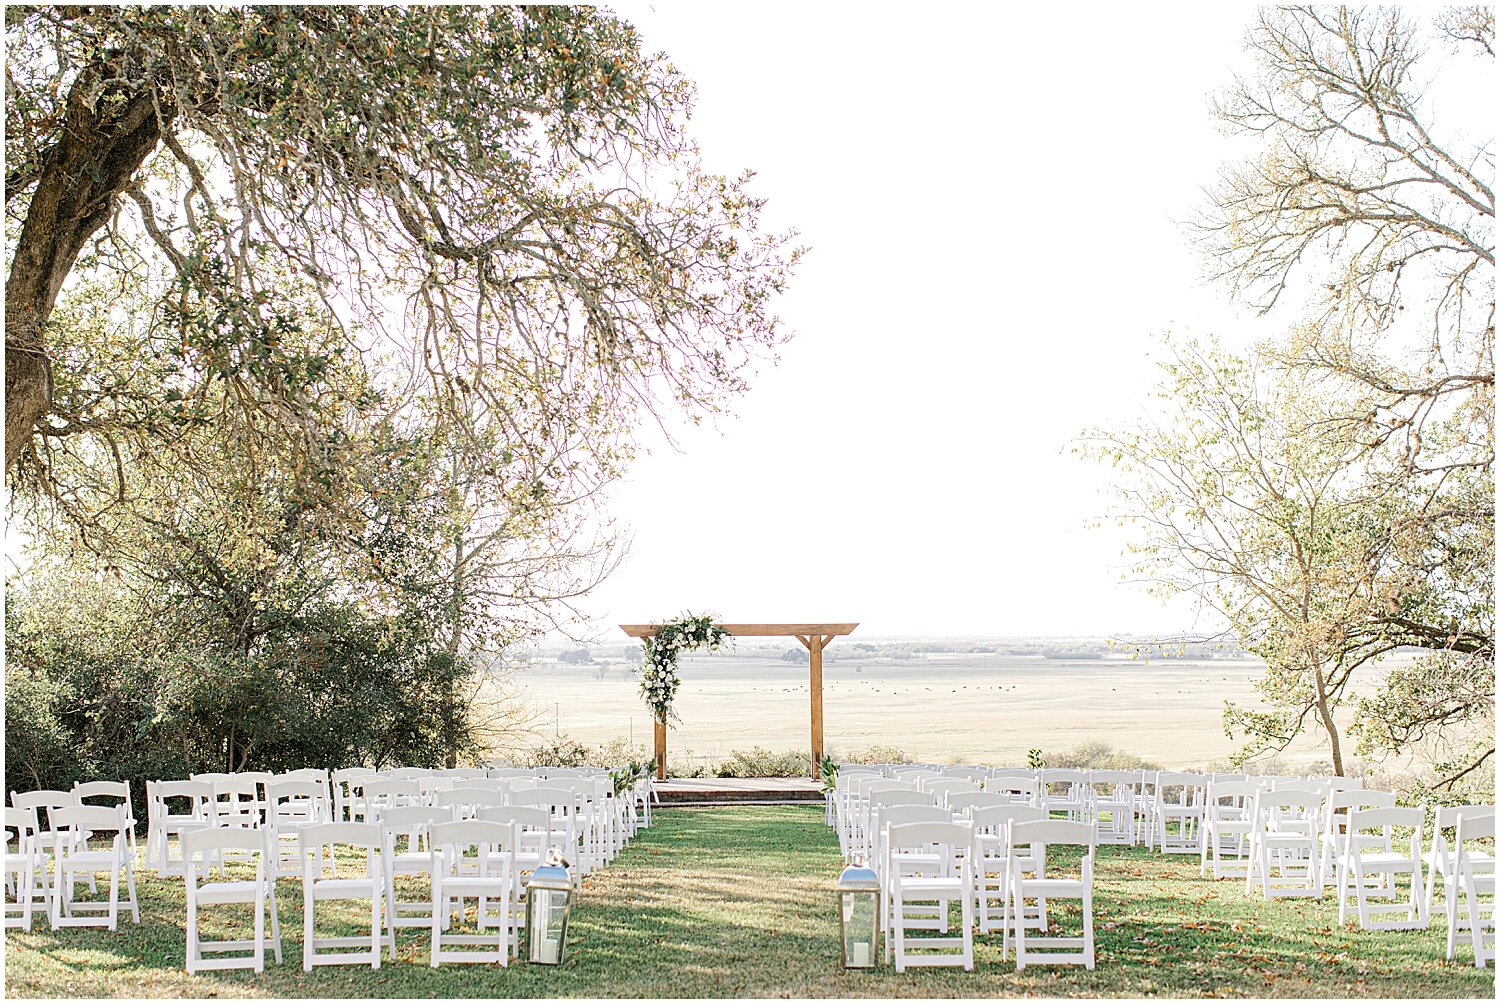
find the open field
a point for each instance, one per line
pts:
(737, 902)
(972, 708)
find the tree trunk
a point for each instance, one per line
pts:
(98, 152)
(1324, 713)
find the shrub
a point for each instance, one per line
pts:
(876, 754)
(1099, 756)
(760, 762)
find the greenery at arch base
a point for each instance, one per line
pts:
(659, 679)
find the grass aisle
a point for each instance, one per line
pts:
(737, 902)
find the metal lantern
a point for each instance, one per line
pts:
(549, 894)
(859, 913)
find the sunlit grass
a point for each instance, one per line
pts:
(738, 902)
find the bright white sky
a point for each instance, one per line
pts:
(993, 198)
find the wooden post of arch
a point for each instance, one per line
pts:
(815, 637)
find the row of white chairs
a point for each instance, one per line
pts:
(484, 859)
(590, 823)
(1284, 836)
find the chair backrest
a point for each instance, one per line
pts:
(198, 843)
(504, 772)
(44, 801)
(90, 818)
(210, 776)
(368, 837)
(409, 773)
(469, 797)
(1178, 788)
(964, 803)
(198, 794)
(1037, 833)
(1472, 828)
(952, 841)
(412, 822)
(235, 789)
(998, 819)
(549, 797)
(1064, 775)
(23, 821)
(1229, 795)
(975, 774)
(1287, 808)
(1110, 781)
(899, 815)
(1385, 817)
(896, 796)
(1026, 773)
(948, 786)
(527, 817)
(299, 801)
(117, 790)
(454, 840)
(1014, 787)
(1446, 817)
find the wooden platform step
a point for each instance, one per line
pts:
(738, 791)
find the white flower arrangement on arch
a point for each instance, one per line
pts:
(659, 678)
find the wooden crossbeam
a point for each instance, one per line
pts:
(754, 630)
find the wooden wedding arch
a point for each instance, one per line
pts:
(813, 636)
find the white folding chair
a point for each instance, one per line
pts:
(408, 825)
(91, 841)
(1226, 828)
(20, 867)
(1050, 948)
(1284, 844)
(1474, 851)
(458, 876)
(1111, 795)
(1441, 859)
(1371, 863)
(1065, 790)
(173, 809)
(1179, 801)
(348, 806)
(927, 867)
(992, 869)
(110, 793)
(1336, 809)
(42, 803)
(368, 883)
(292, 805)
(200, 848)
(1017, 790)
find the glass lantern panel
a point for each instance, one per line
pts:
(859, 929)
(548, 925)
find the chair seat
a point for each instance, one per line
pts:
(410, 862)
(344, 888)
(227, 892)
(93, 860)
(1051, 887)
(1385, 860)
(475, 884)
(927, 885)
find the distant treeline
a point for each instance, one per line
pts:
(845, 650)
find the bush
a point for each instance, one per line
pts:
(1099, 756)
(760, 762)
(876, 754)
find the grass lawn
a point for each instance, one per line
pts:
(737, 902)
